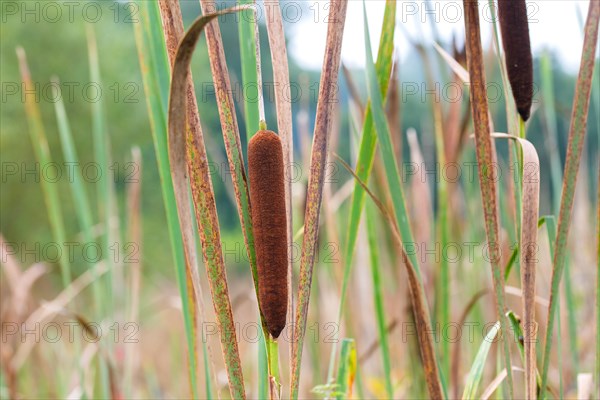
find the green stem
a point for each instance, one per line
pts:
(378, 298)
(273, 360)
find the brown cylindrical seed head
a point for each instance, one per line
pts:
(267, 197)
(517, 50)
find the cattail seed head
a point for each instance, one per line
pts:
(267, 196)
(517, 50)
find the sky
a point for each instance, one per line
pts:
(553, 24)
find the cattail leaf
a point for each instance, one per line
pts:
(204, 201)
(323, 124)
(150, 62)
(514, 28)
(172, 23)
(248, 43)
(281, 80)
(476, 372)
(485, 161)
(454, 65)
(528, 249)
(577, 131)
(251, 65)
(231, 136)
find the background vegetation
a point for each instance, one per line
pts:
(61, 49)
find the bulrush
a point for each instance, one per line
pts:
(267, 199)
(517, 51)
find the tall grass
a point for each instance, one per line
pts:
(323, 124)
(389, 287)
(485, 161)
(151, 62)
(574, 148)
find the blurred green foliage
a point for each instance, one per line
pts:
(56, 45)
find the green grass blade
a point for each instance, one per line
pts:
(157, 50)
(82, 205)
(158, 122)
(101, 146)
(347, 369)
(314, 196)
(574, 149)
(368, 141)
(104, 193)
(550, 222)
(246, 29)
(476, 371)
(378, 299)
(442, 233)
(430, 361)
(39, 142)
(548, 105)
(366, 156)
(391, 167)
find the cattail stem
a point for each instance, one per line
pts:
(261, 102)
(273, 366)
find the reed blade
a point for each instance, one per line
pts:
(323, 125)
(483, 144)
(528, 251)
(281, 78)
(204, 201)
(39, 142)
(246, 29)
(378, 299)
(150, 63)
(364, 164)
(476, 372)
(346, 370)
(229, 127)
